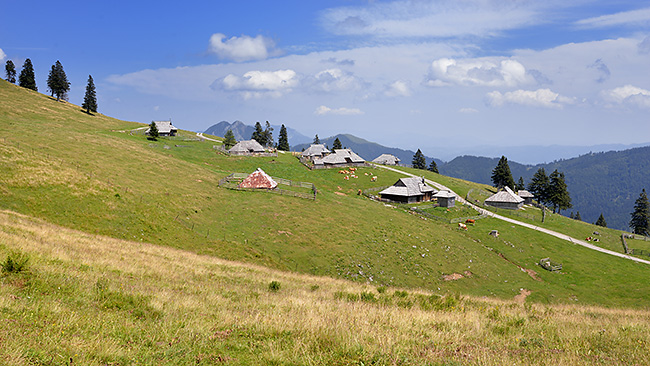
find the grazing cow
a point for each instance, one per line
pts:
(470, 221)
(462, 226)
(373, 179)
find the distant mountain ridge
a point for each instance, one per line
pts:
(243, 131)
(366, 149)
(604, 182)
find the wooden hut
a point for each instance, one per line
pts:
(408, 190)
(259, 180)
(165, 128)
(527, 196)
(315, 151)
(339, 158)
(246, 147)
(445, 198)
(386, 159)
(505, 198)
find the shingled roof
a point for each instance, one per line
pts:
(525, 194)
(408, 187)
(340, 156)
(387, 159)
(315, 150)
(505, 195)
(247, 146)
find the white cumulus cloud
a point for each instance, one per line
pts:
(2, 54)
(468, 110)
(477, 72)
(322, 110)
(536, 98)
(398, 89)
(244, 48)
(255, 84)
(628, 95)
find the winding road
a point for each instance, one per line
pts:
(516, 222)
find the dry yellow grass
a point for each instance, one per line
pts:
(210, 310)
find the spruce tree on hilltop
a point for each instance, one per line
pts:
(501, 176)
(316, 140)
(558, 193)
(539, 186)
(419, 161)
(10, 72)
(90, 98)
(601, 221)
(57, 82)
(268, 135)
(337, 144)
(258, 134)
(26, 79)
(229, 139)
(578, 216)
(283, 140)
(433, 167)
(640, 222)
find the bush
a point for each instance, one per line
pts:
(274, 286)
(381, 289)
(16, 262)
(314, 288)
(368, 297)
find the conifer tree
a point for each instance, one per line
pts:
(26, 79)
(578, 216)
(57, 82)
(267, 135)
(572, 216)
(640, 222)
(316, 140)
(258, 134)
(539, 186)
(433, 167)
(153, 131)
(90, 98)
(419, 161)
(337, 144)
(558, 193)
(601, 221)
(520, 186)
(283, 139)
(501, 176)
(229, 139)
(10, 72)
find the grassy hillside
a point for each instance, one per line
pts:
(90, 174)
(94, 300)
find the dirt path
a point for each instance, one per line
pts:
(200, 135)
(516, 222)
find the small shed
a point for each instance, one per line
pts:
(340, 158)
(445, 198)
(386, 159)
(315, 151)
(527, 196)
(505, 198)
(258, 180)
(408, 190)
(165, 128)
(246, 147)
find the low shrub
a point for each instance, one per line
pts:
(274, 286)
(16, 262)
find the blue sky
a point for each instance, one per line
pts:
(441, 76)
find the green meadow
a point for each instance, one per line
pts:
(136, 255)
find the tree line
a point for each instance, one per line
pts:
(57, 82)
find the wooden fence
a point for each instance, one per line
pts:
(232, 182)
